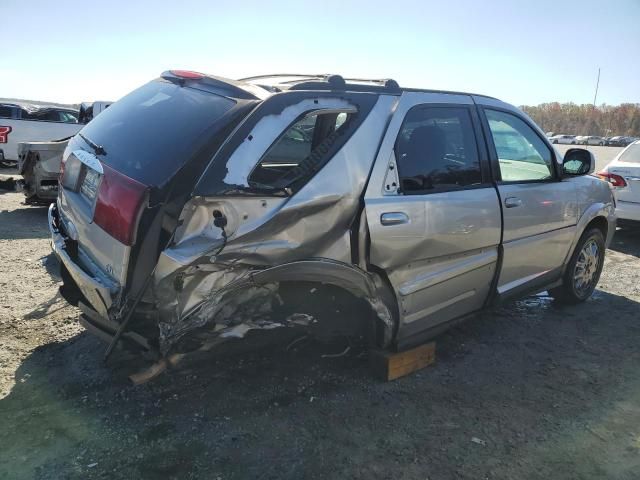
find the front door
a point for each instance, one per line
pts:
(539, 210)
(432, 212)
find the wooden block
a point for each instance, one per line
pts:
(391, 365)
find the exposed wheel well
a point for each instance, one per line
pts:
(336, 309)
(600, 223)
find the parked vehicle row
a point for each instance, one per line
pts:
(422, 206)
(619, 141)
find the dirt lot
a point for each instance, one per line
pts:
(530, 390)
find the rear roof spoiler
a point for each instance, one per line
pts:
(219, 85)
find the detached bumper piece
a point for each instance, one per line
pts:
(106, 329)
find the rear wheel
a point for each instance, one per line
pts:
(583, 271)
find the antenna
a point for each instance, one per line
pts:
(597, 85)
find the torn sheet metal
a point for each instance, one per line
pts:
(266, 131)
(205, 279)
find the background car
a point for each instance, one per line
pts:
(623, 173)
(617, 141)
(594, 140)
(564, 139)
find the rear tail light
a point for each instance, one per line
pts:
(613, 179)
(119, 205)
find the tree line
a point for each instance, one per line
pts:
(570, 118)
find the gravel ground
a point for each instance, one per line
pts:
(529, 390)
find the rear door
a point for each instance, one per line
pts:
(432, 212)
(539, 210)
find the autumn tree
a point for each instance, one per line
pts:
(570, 118)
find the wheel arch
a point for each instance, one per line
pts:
(600, 215)
(357, 282)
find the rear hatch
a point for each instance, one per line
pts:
(627, 166)
(114, 167)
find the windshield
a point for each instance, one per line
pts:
(150, 133)
(631, 154)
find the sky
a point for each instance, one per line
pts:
(523, 52)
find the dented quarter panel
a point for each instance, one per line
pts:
(197, 275)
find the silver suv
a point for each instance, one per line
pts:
(198, 208)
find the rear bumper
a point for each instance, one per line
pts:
(628, 210)
(98, 291)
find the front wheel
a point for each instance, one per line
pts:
(583, 270)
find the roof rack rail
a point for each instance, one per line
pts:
(277, 75)
(301, 81)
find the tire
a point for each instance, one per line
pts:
(583, 270)
(555, 141)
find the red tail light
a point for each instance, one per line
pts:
(119, 205)
(187, 74)
(613, 179)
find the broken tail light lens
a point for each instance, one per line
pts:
(119, 205)
(613, 179)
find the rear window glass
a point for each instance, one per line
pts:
(150, 133)
(436, 151)
(631, 154)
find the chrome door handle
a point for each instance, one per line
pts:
(512, 202)
(394, 218)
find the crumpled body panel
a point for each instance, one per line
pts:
(204, 279)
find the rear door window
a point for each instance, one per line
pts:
(150, 133)
(436, 150)
(293, 157)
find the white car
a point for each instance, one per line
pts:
(565, 139)
(623, 173)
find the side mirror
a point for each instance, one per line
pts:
(578, 161)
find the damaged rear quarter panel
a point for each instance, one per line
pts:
(199, 275)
